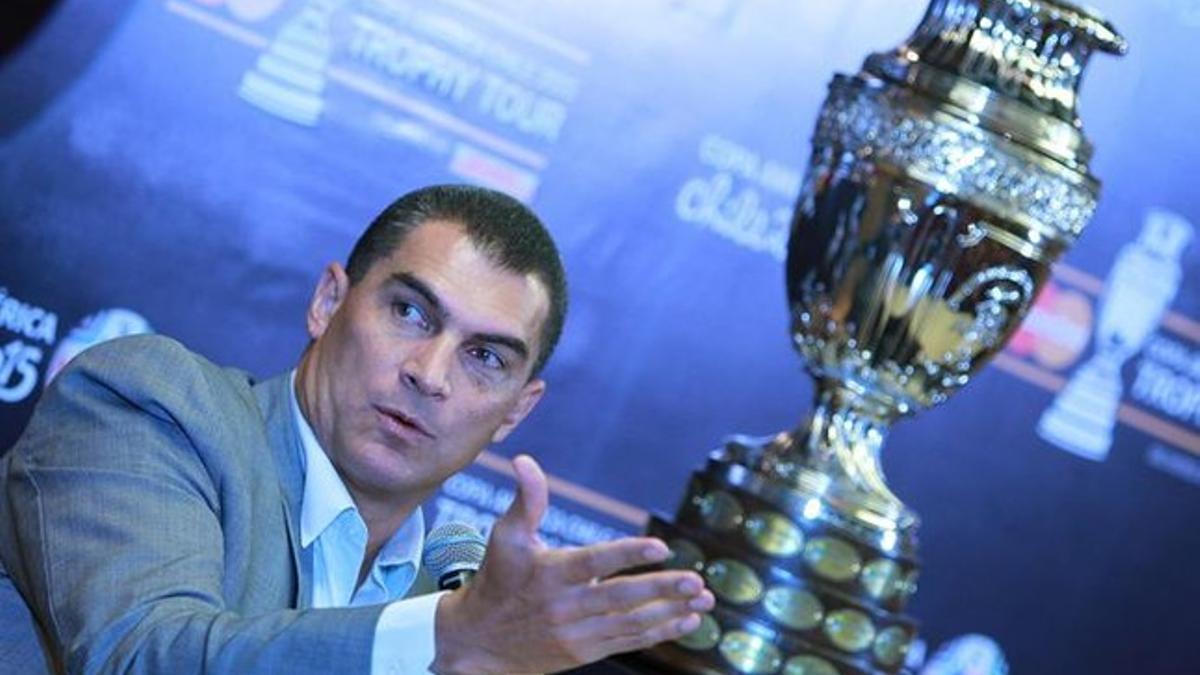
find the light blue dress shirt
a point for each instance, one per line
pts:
(331, 525)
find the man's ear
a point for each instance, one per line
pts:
(327, 297)
(531, 393)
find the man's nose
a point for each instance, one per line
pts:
(426, 368)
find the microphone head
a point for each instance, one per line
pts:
(451, 549)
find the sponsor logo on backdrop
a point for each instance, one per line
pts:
(1057, 329)
(740, 196)
(1139, 289)
(107, 324)
(455, 79)
(35, 330)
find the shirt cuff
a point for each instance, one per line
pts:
(404, 639)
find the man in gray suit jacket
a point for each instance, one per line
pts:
(149, 516)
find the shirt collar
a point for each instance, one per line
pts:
(326, 498)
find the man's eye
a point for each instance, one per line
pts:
(410, 314)
(488, 358)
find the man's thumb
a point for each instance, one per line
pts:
(533, 495)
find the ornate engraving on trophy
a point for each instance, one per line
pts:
(973, 235)
(1140, 287)
(999, 294)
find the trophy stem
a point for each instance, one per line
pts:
(835, 456)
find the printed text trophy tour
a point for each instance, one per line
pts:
(946, 177)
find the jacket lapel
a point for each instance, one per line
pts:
(274, 399)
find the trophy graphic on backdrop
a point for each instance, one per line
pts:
(288, 80)
(945, 178)
(1140, 286)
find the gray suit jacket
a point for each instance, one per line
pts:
(149, 520)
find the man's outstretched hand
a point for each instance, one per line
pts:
(533, 609)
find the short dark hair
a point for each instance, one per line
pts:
(504, 229)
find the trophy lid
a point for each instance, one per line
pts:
(1015, 64)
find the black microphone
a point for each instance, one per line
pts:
(453, 553)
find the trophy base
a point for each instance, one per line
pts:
(801, 587)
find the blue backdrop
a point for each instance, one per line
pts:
(188, 166)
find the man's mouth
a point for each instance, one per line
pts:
(404, 420)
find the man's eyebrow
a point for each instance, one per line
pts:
(421, 288)
(515, 344)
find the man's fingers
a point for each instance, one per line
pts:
(607, 558)
(625, 593)
(667, 630)
(647, 625)
(533, 495)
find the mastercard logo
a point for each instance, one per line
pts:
(1057, 329)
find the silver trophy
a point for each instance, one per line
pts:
(945, 179)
